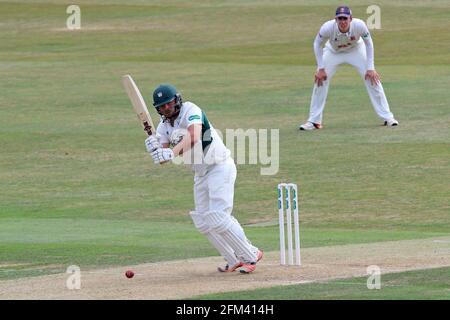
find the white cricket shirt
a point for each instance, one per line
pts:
(339, 42)
(208, 151)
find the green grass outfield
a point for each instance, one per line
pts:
(76, 186)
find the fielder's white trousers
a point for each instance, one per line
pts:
(356, 58)
(214, 192)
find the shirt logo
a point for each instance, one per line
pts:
(194, 117)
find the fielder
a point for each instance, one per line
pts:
(347, 41)
(185, 128)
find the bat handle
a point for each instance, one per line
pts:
(148, 129)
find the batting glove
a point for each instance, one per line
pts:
(151, 143)
(162, 155)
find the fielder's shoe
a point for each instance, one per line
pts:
(308, 126)
(227, 268)
(391, 123)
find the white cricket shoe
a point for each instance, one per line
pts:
(391, 123)
(308, 126)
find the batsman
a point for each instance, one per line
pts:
(184, 130)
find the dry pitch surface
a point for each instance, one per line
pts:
(187, 278)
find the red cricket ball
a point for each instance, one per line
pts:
(129, 274)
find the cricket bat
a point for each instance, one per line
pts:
(138, 104)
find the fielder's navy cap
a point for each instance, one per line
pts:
(343, 11)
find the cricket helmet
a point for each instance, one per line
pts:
(163, 94)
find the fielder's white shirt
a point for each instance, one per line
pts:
(338, 42)
(208, 151)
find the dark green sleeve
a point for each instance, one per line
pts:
(206, 132)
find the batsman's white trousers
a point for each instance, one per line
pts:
(214, 192)
(357, 58)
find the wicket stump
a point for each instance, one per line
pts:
(289, 188)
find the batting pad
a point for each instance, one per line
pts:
(216, 240)
(199, 222)
(230, 230)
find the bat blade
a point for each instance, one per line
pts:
(138, 104)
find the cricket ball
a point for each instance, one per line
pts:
(129, 274)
